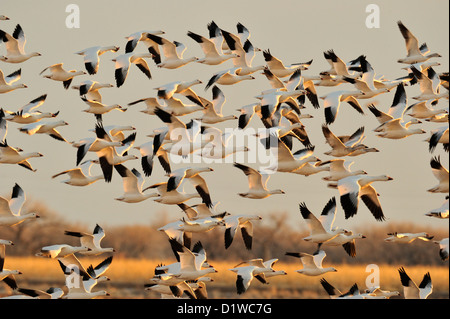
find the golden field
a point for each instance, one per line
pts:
(128, 276)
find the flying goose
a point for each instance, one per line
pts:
(414, 54)
(7, 275)
(212, 55)
(132, 185)
(443, 248)
(81, 175)
(427, 90)
(141, 36)
(247, 113)
(396, 110)
(407, 237)
(257, 183)
(51, 293)
(441, 173)
(340, 168)
(99, 109)
(440, 212)
(353, 188)
(178, 108)
(219, 145)
(184, 88)
(265, 268)
(422, 110)
(340, 148)
(15, 46)
(90, 89)
(91, 241)
(395, 129)
(277, 67)
(312, 264)
(7, 82)
(245, 275)
(242, 222)
(173, 53)
(147, 155)
(338, 66)
(321, 230)
(58, 73)
(150, 103)
(92, 56)
(228, 77)
(11, 155)
(60, 251)
(43, 127)
(332, 102)
(212, 112)
(174, 197)
(439, 135)
(411, 290)
(123, 62)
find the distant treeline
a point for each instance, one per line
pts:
(272, 239)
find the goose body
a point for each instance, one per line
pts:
(411, 290)
(281, 70)
(10, 155)
(312, 264)
(91, 241)
(15, 46)
(7, 82)
(42, 127)
(123, 63)
(80, 176)
(132, 185)
(441, 174)
(60, 250)
(212, 55)
(92, 55)
(339, 168)
(243, 222)
(58, 73)
(90, 89)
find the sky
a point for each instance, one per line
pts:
(294, 31)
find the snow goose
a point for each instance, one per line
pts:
(132, 185)
(245, 275)
(242, 222)
(407, 238)
(332, 292)
(184, 88)
(43, 127)
(90, 89)
(11, 155)
(91, 241)
(219, 145)
(353, 188)
(123, 62)
(338, 66)
(116, 132)
(378, 292)
(7, 275)
(173, 197)
(90, 144)
(411, 290)
(212, 56)
(340, 148)
(212, 112)
(173, 53)
(80, 176)
(191, 263)
(246, 53)
(414, 54)
(310, 169)
(178, 108)
(142, 37)
(277, 67)
(193, 174)
(312, 264)
(150, 103)
(60, 250)
(99, 109)
(15, 46)
(22, 117)
(441, 173)
(394, 129)
(58, 73)
(440, 212)
(439, 135)
(51, 293)
(257, 183)
(428, 91)
(265, 270)
(340, 168)
(7, 82)
(147, 155)
(321, 230)
(443, 248)
(92, 56)
(228, 77)
(422, 110)
(332, 102)
(247, 113)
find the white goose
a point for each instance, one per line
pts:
(58, 73)
(11, 155)
(439, 136)
(123, 62)
(60, 251)
(90, 89)
(91, 241)
(354, 188)
(7, 82)
(173, 197)
(15, 46)
(80, 176)
(245, 275)
(178, 108)
(242, 222)
(257, 183)
(440, 212)
(339, 148)
(7, 275)
(332, 102)
(142, 37)
(219, 145)
(412, 46)
(151, 103)
(443, 248)
(407, 238)
(340, 168)
(99, 109)
(132, 185)
(312, 264)
(265, 268)
(212, 112)
(212, 55)
(411, 290)
(184, 88)
(43, 127)
(441, 173)
(173, 53)
(427, 89)
(228, 77)
(277, 67)
(423, 110)
(92, 56)
(321, 230)
(394, 129)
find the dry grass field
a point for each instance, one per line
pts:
(128, 276)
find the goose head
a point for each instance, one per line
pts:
(277, 191)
